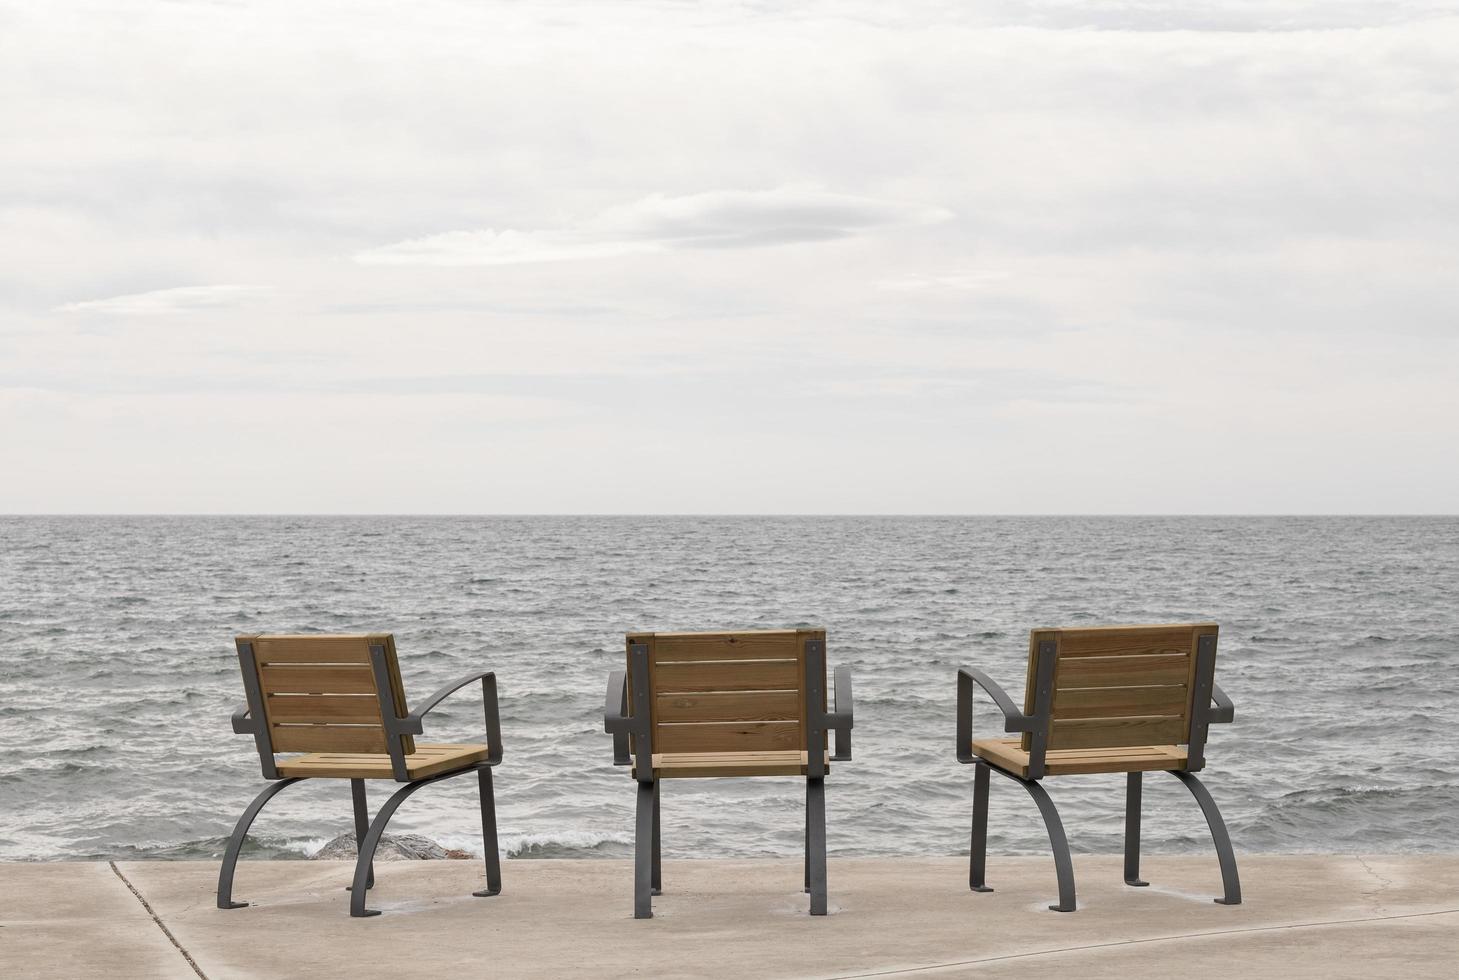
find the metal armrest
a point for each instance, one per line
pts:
(413, 723)
(615, 716)
(1013, 719)
(1224, 710)
(243, 723)
(840, 717)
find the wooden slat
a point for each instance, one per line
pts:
(327, 738)
(729, 706)
(1122, 671)
(1097, 733)
(703, 765)
(316, 680)
(1116, 702)
(313, 649)
(1007, 754)
(1111, 641)
(724, 646)
(727, 736)
(726, 675)
(324, 708)
(427, 760)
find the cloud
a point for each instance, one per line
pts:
(956, 281)
(182, 299)
(724, 219)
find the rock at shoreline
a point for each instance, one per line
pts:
(393, 847)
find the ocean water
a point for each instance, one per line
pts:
(1339, 646)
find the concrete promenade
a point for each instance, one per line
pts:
(1328, 916)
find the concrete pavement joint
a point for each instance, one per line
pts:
(907, 971)
(165, 931)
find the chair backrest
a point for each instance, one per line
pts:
(730, 692)
(1112, 686)
(317, 693)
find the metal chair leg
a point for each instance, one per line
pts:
(978, 850)
(643, 906)
(815, 842)
(1133, 788)
(362, 825)
(366, 857)
(235, 843)
(1230, 881)
(1063, 865)
(658, 878)
(489, 847)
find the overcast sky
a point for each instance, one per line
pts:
(757, 257)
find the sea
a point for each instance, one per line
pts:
(1339, 645)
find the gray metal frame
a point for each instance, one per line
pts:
(1037, 725)
(250, 719)
(631, 728)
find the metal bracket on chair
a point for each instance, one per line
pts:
(259, 718)
(389, 713)
(616, 721)
(842, 718)
(1043, 709)
(815, 692)
(642, 718)
(1201, 702)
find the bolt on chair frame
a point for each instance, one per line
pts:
(253, 718)
(628, 716)
(1037, 726)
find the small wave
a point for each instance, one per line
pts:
(567, 844)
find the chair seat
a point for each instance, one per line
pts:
(426, 760)
(1006, 754)
(692, 765)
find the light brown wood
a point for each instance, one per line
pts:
(1118, 685)
(729, 706)
(327, 738)
(779, 645)
(1107, 641)
(426, 760)
(1092, 733)
(350, 709)
(728, 694)
(314, 649)
(1122, 671)
(727, 736)
(1007, 754)
(1116, 702)
(320, 693)
(703, 765)
(726, 675)
(316, 680)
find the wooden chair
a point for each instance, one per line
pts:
(700, 705)
(1104, 699)
(339, 701)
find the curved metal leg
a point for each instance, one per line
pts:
(235, 843)
(372, 840)
(489, 847)
(1133, 788)
(643, 906)
(815, 842)
(978, 850)
(1230, 881)
(658, 876)
(1062, 863)
(362, 825)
